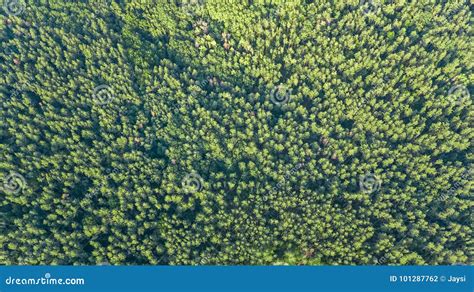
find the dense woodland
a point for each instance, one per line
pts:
(232, 132)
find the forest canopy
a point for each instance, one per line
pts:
(198, 132)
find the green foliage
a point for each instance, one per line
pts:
(236, 132)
